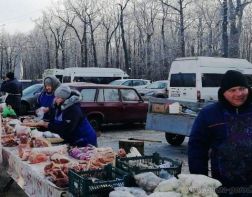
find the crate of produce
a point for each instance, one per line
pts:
(94, 183)
(153, 163)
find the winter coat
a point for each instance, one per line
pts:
(70, 123)
(223, 133)
(45, 99)
(14, 89)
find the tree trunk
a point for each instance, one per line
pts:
(182, 29)
(224, 29)
(210, 43)
(107, 49)
(85, 46)
(93, 44)
(148, 54)
(125, 50)
(63, 55)
(200, 37)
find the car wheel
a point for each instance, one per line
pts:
(174, 139)
(96, 124)
(24, 108)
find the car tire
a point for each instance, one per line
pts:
(24, 108)
(96, 124)
(174, 139)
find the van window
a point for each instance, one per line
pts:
(211, 79)
(88, 95)
(183, 80)
(97, 80)
(214, 80)
(66, 79)
(59, 77)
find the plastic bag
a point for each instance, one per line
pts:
(8, 112)
(40, 112)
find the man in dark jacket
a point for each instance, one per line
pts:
(68, 120)
(14, 89)
(223, 132)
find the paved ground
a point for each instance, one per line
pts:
(110, 137)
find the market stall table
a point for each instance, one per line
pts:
(30, 177)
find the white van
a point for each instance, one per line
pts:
(196, 79)
(93, 74)
(54, 71)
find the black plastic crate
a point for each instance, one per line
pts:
(80, 183)
(124, 164)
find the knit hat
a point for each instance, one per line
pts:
(233, 78)
(10, 75)
(63, 91)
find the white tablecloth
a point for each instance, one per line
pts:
(29, 177)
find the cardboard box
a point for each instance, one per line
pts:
(159, 108)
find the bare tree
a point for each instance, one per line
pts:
(125, 49)
(145, 17)
(110, 23)
(235, 18)
(58, 30)
(179, 8)
(92, 14)
(42, 25)
(224, 28)
(210, 12)
(77, 10)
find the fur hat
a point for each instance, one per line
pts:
(10, 75)
(63, 91)
(233, 78)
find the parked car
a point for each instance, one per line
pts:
(28, 82)
(155, 89)
(105, 104)
(135, 83)
(29, 98)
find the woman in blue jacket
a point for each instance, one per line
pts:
(46, 97)
(223, 132)
(68, 120)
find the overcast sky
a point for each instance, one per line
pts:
(17, 15)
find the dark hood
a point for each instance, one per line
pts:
(54, 82)
(226, 104)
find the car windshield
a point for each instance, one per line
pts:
(31, 89)
(157, 85)
(116, 82)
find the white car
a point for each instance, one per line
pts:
(135, 83)
(155, 89)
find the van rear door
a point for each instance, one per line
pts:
(183, 87)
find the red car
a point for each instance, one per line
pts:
(111, 104)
